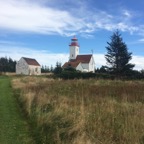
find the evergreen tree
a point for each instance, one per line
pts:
(51, 69)
(45, 69)
(103, 69)
(117, 56)
(7, 65)
(58, 68)
(42, 69)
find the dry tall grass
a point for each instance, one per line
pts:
(84, 111)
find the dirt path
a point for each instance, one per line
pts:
(13, 126)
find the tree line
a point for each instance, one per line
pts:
(47, 69)
(7, 64)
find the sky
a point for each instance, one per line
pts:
(42, 29)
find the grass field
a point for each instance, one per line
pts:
(13, 126)
(83, 111)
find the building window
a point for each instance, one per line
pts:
(36, 69)
(72, 55)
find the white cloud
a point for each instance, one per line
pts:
(41, 17)
(5, 42)
(141, 40)
(127, 13)
(138, 61)
(99, 60)
(30, 17)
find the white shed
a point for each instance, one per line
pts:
(28, 66)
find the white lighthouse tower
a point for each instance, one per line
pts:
(74, 48)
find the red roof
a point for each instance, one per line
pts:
(74, 44)
(79, 59)
(71, 64)
(31, 61)
(83, 58)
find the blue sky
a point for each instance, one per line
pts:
(43, 29)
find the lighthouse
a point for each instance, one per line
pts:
(74, 48)
(80, 62)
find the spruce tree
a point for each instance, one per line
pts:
(58, 68)
(117, 56)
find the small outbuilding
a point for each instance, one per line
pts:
(28, 66)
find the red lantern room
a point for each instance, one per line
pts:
(74, 42)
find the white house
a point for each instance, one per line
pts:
(28, 66)
(83, 63)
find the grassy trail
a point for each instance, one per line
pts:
(13, 126)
